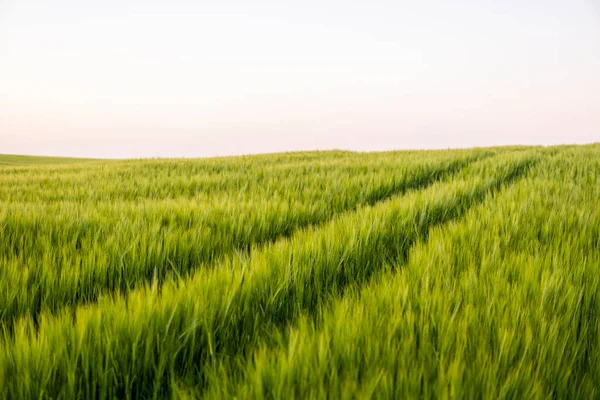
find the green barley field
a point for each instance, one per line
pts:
(314, 275)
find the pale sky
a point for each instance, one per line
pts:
(133, 78)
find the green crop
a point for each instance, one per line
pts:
(462, 273)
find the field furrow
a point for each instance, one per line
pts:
(50, 263)
(139, 344)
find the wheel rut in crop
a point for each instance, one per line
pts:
(42, 292)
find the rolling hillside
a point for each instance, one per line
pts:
(414, 274)
(20, 161)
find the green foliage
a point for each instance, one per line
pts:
(463, 273)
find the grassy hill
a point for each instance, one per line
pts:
(457, 273)
(18, 160)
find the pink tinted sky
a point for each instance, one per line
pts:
(136, 78)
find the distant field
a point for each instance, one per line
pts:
(15, 160)
(414, 274)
